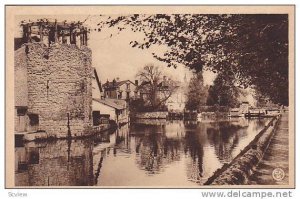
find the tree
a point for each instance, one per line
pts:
(223, 92)
(261, 100)
(156, 90)
(252, 46)
(197, 93)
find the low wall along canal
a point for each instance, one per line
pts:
(238, 171)
(152, 115)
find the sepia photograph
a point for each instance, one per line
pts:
(150, 96)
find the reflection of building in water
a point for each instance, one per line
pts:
(174, 129)
(122, 141)
(60, 163)
(115, 143)
(97, 163)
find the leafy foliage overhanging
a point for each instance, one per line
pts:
(251, 47)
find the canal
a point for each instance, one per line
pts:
(144, 153)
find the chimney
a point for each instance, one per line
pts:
(136, 82)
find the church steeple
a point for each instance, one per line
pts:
(185, 79)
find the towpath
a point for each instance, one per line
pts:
(276, 156)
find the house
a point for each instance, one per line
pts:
(99, 121)
(117, 89)
(244, 107)
(167, 91)
(109, 102)
(143, 90)
(115, 108)
(177, 101)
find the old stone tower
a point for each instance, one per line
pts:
(55, 83)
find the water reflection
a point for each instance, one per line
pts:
(224, 137)
(57, 163)
(162, 153)
(154, 148)
(194, 148)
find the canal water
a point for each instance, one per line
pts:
(145, 153)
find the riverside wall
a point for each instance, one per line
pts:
(152, 115)
(238, 171)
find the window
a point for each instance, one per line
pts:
(96, 118)
(127, 95)
(33, 119)
(82, 86)
(34, 156)
(128, 86)
(21, 111)
(120, 95)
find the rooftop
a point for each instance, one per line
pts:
(115, 83)
(114, 103)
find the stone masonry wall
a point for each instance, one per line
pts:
(60, 83)
(151, 115)
(20, 82)
(20, 69)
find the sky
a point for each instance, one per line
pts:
(113, 56)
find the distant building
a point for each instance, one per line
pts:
(176, 102)
(178, 99)
(244, 107)
(166, 89)
(117, 89)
